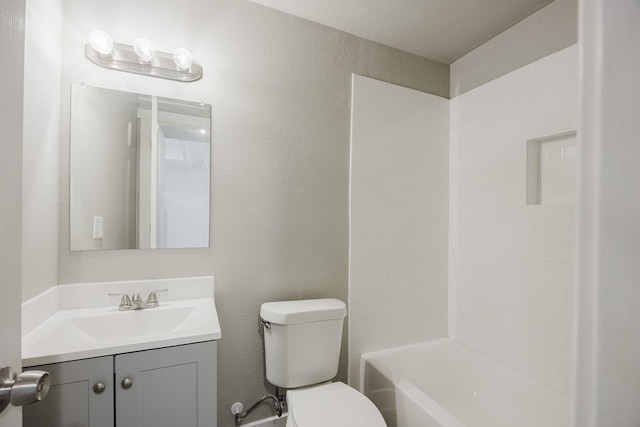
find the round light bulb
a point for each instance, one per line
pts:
(101, 42)
(182, 58)
(144, 49)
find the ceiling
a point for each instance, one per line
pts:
(442, 30)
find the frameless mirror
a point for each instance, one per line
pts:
(140, 171)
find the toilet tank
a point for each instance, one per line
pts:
(302, 340)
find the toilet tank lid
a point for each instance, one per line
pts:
(302, 311)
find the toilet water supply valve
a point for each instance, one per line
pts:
(278, 399)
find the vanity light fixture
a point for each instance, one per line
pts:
(141, 58)
(144, 49)
(182, 58)
(101, 42)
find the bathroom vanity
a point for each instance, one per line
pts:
(174, 386)
(110, 367)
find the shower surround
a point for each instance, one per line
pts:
(456, 201)
(398, 218)
(512, 274)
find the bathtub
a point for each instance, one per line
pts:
(442, 383)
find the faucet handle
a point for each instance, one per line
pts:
(152, 300)
(125, 302)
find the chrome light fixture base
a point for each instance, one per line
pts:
(124, 58)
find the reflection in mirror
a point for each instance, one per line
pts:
(140, 171)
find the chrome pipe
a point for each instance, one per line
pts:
(278, 407)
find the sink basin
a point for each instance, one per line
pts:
(100, 331)
(136, 323)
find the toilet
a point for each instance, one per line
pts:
(302, 348)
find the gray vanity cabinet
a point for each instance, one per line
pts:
(166, 387)
(72, 400)
(169, 387)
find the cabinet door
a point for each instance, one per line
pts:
(169, 387)
(72, 401)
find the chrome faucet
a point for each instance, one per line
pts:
(136, 303)
(125, 302)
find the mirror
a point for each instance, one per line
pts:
(140, 171)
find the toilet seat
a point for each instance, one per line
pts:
(331, 405)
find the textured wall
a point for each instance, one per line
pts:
(549, 30)
(512, 264)
(399, 218)
(40, 146)
(280, 91)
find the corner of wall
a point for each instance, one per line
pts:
(547, 31)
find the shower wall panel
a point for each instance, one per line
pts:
(511, 264)
(398, 218)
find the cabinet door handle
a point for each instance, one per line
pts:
(127, 383)
(99, 388)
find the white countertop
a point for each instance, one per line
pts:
(80, 321)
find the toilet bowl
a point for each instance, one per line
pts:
(302, 349)
(331, 405)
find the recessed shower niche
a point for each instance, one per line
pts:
(552, 169)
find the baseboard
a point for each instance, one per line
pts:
(269, 422)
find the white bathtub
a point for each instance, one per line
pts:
(442, 383)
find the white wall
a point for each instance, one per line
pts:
(398, 218)
(608, 359)
(40, 149)
(512, 265)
